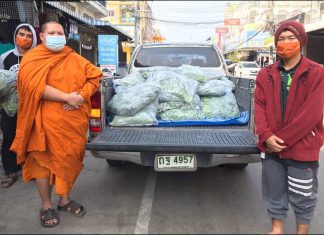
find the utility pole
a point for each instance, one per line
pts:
(270, 18)
(140, 22)
(137, 22)
(270, 27)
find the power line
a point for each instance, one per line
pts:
(259, 31)
(221, 21)
(181, 22)
(239, 41)
(193, 23)
(181, 8)
(186, 11)
(264, 27)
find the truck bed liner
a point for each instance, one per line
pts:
(229, 141)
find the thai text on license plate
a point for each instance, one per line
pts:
(181, 162)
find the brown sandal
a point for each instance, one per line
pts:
(72, 207)
(9, 181)
(48, 215)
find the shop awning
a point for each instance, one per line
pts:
(110, 29)
(315, 26)
(104, 26)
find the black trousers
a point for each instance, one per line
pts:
(9, 158)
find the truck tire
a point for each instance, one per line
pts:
(237, 166)
(115, 163)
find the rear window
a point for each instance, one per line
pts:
(176, 56)
(250, 65)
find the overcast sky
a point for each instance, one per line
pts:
(188, 11)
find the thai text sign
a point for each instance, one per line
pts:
(108, 49)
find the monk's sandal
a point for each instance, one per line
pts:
(47, 216)
(72, 207)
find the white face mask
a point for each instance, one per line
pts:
(54, 42)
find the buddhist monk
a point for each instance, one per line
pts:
(54, 89)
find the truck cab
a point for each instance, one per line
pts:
(174, 55)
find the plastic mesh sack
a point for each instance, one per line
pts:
(218, 75)
(180, 114)
(230, 86)
(133, 99)
(175, 111)
(148, 71)
(212, 74)
(145, 117)
(121, 89)
(10, 103)
(8, 82)
(165, 97)
(8, 92)
(165, 106)
(193, 72)
(175, 84)
(212, 88)
(129, 80)
(220, 107)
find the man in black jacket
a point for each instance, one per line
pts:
(24, 39)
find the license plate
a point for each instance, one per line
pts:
(175, 162)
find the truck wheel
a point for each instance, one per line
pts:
(237, 166)
(115, 163)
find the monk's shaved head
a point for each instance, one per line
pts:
(44, 26)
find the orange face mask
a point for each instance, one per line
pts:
(287, 50)
(24, 42)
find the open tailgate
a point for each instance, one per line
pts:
(226, 141)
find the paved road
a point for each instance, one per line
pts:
(134, 199)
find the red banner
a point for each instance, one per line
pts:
(221, 29)
(232, 22)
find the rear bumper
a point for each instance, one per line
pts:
(203, 159)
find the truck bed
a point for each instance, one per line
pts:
(229, 139)
(159, 139)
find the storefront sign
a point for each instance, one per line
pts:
(268, 41)
(73, 27)
(74, 36)
(87, 47)
(108, 70)
(108, 50)
(256, 39)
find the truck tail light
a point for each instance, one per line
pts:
(95, 117)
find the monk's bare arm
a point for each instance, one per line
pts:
(93, 75)
(53, 94)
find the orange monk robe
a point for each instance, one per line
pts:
(50, 142)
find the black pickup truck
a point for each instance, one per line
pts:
(175, 148)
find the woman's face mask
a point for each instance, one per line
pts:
(55, 42)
